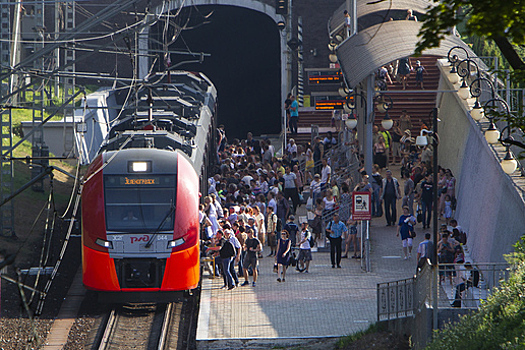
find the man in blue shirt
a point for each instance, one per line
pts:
(335, 229)
(294, 116)
(405, 227)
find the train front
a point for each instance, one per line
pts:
(140, 224)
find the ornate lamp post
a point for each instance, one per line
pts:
(475, 91)
(383, 104)
(453, 59)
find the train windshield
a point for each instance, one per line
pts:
(140, 203)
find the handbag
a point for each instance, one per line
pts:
(419, 213)
(413, 234)
(275, 268)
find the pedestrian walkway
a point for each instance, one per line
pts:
(323, 303)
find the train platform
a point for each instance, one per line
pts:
(324, 303)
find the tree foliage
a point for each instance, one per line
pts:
(502, 21)
(500, 321)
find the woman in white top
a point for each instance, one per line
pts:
(329, 204)
(211, 211)
(259, 223)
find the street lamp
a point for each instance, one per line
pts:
(475, 90)
(509, 164)
(464, 69)
(492, 134)
(384, 103)
(344, 91)
(453, 59)
(351, 121)
(350, 106)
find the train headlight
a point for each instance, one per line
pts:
(103, 243)
(175, 243)
(139, 167)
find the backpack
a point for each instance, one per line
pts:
(279, 226)
(310, 238)
(462, 238)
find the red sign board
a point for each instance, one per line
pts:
(361, 206)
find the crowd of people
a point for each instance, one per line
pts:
(249, 211)
(254, 196)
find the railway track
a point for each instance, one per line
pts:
(148, 326)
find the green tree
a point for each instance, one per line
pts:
(500, 321)
(500, 21)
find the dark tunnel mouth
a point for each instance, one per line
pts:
(245, 64)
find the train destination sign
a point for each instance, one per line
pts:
(138, 181)
(329, 104)
(324, 79)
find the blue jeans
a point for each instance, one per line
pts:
(426, 207)
(228, 279)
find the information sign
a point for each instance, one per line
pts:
(361, 209)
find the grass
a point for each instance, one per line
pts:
(349, 339)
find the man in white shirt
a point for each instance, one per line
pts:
(290, 188)
(315, 188)
(348, 23)
(291, 147)
(305, 251)
(326, 173)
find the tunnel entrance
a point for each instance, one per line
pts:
(245, 63)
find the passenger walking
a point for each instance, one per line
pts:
(427, 193)
(335, 231)
(352, 238)
(291, 188)
(405, 228)
(420, 70)
(226, 254)
(282, 257)
(271, 230)
(389, 195)
(252, 247)
(294, 116)
(305, 250)
(425, 251)
(292, 229)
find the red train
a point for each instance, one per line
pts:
(140, 227)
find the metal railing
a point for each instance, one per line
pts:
(396, 299)
(409, 296)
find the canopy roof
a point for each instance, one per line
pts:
(364, 8)
(361, 54)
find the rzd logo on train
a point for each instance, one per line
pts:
(144, 238)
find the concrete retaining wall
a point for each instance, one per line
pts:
(490, 208)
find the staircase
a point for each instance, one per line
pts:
(416, 101)
(309, 117)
